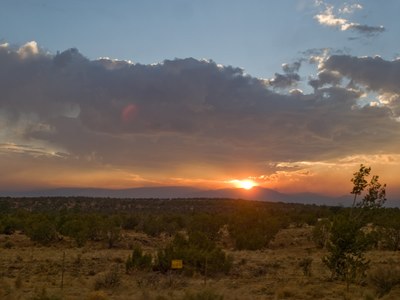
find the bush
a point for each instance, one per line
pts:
(138, 260)
(109, 280)
(77, 229)
(42, 231)
(206, 224)
(199, 254)
(112, 234)
(130, 222)
(320, 233)
(260, 229)
(347, 245)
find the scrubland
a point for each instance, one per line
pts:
(231, 249)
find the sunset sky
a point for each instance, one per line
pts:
(293, 95)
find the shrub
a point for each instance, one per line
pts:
(138, 260)
(199, 254)
(261, 228)
(42, 231)
(109, 280)
(320, 233)
(130, 222)
(206, 224)
(77, 229)
(112, 234)
(346, 247)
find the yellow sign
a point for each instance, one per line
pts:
(176, 264)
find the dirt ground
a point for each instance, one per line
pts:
(63, 271)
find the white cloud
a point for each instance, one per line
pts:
(28, 50)
(350, 8)
(328, 17)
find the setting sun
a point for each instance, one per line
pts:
(244, 184)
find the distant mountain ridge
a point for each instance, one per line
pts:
(256, 193)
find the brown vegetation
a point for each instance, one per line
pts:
(288, 264)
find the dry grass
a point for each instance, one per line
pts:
(26, 270)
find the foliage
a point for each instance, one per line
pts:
(198, 252)
(346, 249)
(320, 233)
(207, 224)
(130, 222)
(8, 225)
(376, 192)
(42, 230)
(388, 223)
(261, 228)
(138, 260)
(348, 242)
(77, 229)
(152, 225)
(111, 233)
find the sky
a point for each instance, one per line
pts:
(292, 95)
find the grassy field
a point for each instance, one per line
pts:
(31, 271)
(290, 267)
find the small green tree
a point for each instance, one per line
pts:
(348, 243)
(346, 248)
(376, 192)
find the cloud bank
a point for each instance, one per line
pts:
(188, 117)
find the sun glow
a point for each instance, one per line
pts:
(244, 184)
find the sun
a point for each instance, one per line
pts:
(244, 184)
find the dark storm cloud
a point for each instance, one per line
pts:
(183, 111)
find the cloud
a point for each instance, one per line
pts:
(284, 80)
(186, 117)
(326, 77)
(327, 17)
(371, 73)
(375, 73)
(350, 8)
(289, 79)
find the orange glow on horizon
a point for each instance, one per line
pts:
(244, 184)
